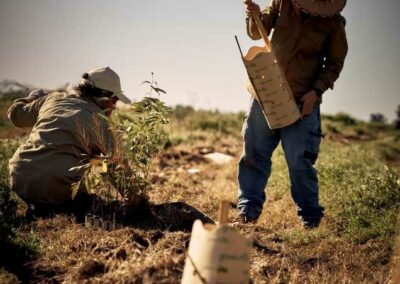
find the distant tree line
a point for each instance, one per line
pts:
(10, 90)
(379, 118)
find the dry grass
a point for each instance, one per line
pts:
(283, 251)
(72, 253)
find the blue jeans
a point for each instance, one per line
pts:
(300, 143)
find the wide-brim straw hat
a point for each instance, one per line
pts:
(321, 8)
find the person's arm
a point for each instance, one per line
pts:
(24, 112)
(335, 55)
(268, 16)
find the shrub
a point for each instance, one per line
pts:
(345, 119)
(8, 213)
(378, 118)
(142, 134)
(181, 112)
(8, 202)
(139, 136)
(226, 123)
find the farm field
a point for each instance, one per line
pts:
(359, 187)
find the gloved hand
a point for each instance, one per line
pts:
(36, 94)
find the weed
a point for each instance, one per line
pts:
(300, 237)
(29, 241)
(369, 211)
(363, 195)
(388, 152)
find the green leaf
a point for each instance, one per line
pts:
(158, 90)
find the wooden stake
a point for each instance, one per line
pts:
(223, 212)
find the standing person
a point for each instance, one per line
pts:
(67, 128)
(310, 43)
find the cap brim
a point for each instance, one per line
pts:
(123, 98)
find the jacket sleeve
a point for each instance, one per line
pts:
(336, 52)
(24, 112)
(268, 17)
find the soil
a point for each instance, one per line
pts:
(176, 216)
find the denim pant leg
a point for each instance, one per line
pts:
(300, 142)
(255, 164)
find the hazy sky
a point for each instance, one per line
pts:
(190, 47)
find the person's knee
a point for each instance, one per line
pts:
(255, 165)
(310, 156)
(246, 161)
(300, 163)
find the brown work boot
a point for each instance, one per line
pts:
(310, 223)
(242, 219)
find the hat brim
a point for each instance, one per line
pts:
(123, 98)
(119, 95)
(321, 8)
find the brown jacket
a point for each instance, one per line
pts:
(311, 50)
(65, 128)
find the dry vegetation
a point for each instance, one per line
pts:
(358, 169)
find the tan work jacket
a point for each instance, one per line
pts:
(310, 50)
(66, 127)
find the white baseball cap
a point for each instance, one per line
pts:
(105, 79)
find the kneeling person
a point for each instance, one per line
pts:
(67, 129)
